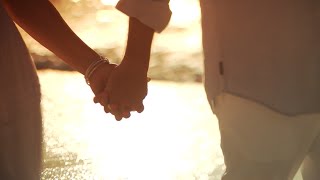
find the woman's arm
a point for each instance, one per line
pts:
(42, 21)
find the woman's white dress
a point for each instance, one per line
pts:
(20, 115)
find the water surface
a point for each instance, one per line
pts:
(176, 137)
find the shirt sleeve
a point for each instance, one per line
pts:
(154, 13)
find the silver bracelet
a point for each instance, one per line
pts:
(94, 66)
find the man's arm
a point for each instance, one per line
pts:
(146, 17)
(138, 48)
(127, 85)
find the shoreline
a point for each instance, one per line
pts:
(163, 66)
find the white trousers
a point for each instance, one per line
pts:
(260, 144)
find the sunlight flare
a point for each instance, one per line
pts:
(109, 2)
(184, 13)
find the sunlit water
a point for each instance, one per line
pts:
(176, 137)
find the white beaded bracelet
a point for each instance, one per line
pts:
(94, 66)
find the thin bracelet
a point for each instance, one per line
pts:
(94, 66)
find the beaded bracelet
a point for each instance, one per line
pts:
(94, 66)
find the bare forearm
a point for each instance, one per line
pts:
(42, 21)
(139, 44)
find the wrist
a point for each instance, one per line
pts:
(136, 63)
(93, 67)
(100, 77)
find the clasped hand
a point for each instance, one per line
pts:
(120, 89)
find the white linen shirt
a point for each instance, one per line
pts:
(266, 51)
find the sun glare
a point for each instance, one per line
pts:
(109, 2)
(183, 13)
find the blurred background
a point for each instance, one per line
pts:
(175, 138)
(176, 52)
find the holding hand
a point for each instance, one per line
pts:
(126, 88)
(99, 76)
(127, 85)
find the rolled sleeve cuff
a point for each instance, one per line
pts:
(155, 14)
